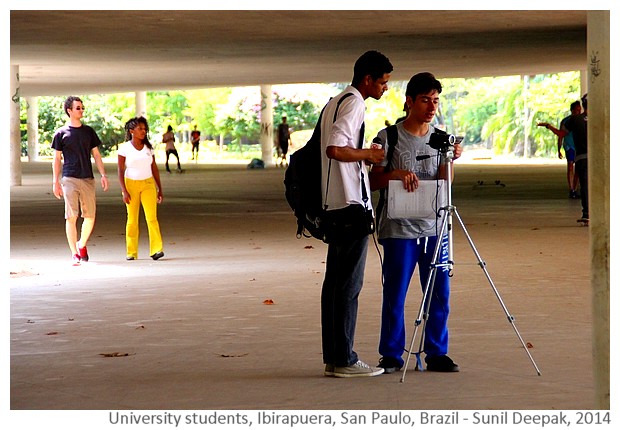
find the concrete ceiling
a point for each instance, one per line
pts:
(80, 52)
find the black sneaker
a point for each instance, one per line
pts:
(441, 363)
(157, 255)
(389, 365)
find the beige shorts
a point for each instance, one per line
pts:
(79, 197)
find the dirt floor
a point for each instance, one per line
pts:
(229, 319)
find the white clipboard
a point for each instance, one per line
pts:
(424, 202)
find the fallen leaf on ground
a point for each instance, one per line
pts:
(115, 354)
(268, 302)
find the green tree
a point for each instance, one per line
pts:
(505, 127)
(549, 101)
(107, 114)
(496, 110)
(389, 108)
(203, 106)
(520, 108)
(167, 108)
(51, 118)
(468, 104)
(239, 119)
(300, 115)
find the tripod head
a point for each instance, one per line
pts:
(444, 143)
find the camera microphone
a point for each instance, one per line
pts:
(376, 143)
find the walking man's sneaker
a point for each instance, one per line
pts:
(82, 252)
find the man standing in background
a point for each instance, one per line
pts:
(195, 142)
(284, 138)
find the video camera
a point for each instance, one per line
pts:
(443, 142)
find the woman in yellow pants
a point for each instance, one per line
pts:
(140, 185)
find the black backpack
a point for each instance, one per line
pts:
(302, 183)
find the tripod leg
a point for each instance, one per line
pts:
(426, 304)
(426, 299)
(482, 265)
(422, 314)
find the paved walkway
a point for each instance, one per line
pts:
(196, 330)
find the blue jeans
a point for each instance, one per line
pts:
(400, 258)
(581, 169)
(344, 277)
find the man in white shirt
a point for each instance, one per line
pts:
(344, 159)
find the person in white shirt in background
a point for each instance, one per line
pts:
(168, 139)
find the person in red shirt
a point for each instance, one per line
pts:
(195, 142)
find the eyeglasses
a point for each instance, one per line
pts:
(79, 108)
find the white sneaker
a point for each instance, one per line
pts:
(358, 369)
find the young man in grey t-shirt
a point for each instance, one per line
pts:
(410, 242)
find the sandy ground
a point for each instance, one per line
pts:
(196, 330)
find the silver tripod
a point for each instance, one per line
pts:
(446, 226)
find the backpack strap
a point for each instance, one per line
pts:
(339, 103)
(316, 133)
(392, 140)
(360, 144)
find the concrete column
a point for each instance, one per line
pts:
(598, 170)
(583, 81)
(15, 150)
(266, 124)
(141, 103)
(32, 127)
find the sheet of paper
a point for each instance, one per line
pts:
(424, 202)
